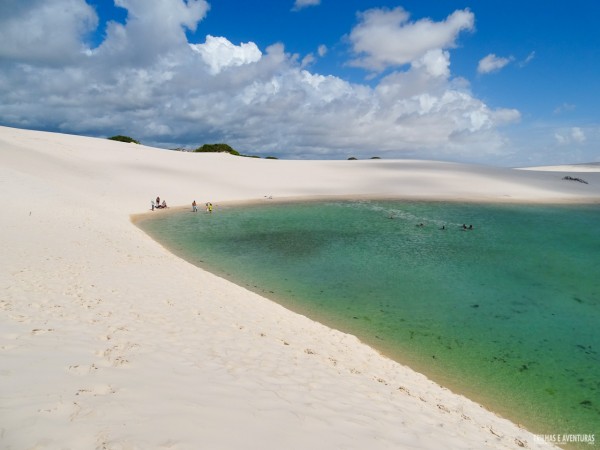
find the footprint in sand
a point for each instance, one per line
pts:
(21, 318)
(36, 331)
(80, 412)
(83, 369)
(5, 305)
(59, 408)
(116, 355)
(443, 408)
(96, 391)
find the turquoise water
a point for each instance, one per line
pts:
(507, 313)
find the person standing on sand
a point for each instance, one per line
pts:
(152, 203)
(194, 207)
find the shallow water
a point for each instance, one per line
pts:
(507, 313)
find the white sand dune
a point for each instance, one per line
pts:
(570, 168)
(108, 341)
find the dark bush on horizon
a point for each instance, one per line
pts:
(122, 138)
(352, 158)
(216, 148)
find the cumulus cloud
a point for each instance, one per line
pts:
(39, 31)
(385, 38)
(219, 53)
(152, 31)
(147, 81)
(492, 63)
(310, 58)
(307, 60)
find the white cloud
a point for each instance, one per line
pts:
(492, 63)
(151, 31)
(147, 81)
(166, 14)
(35, 31)
(573, 135)
(435, 62)
(307, 60)
(219, 53)
(385, 38)
(527, 60)
(577, 134)
(310, 58)
(300, 4)
(565, 107)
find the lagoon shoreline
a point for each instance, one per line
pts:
(110, 340)
(182, 233)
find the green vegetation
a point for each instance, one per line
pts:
(225, 148)
(210, 148)
(217, 148)
(122, 138)
(206, 148)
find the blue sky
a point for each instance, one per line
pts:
(508, 83)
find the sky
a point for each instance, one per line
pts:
(506, 83)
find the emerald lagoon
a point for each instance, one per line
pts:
(507, 313)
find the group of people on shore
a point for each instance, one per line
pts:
(209, 207)
(156, 204)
